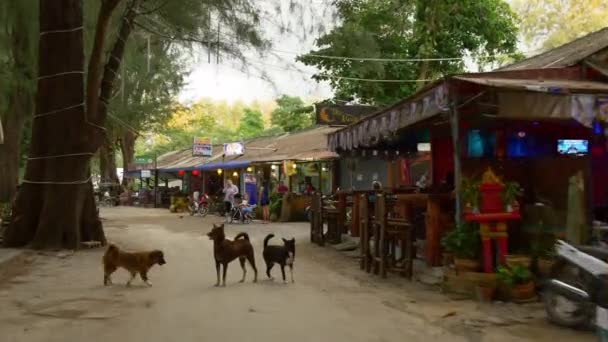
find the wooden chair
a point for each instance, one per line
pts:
(392, 233)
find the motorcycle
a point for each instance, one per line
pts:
(200, 206)
(576, 296)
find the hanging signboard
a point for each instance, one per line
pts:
(234, 149)
(201, 147)
(143, 163)
(146, 174)
(330, 114)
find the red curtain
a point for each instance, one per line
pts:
(443, 158)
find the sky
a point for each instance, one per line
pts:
(228, 81)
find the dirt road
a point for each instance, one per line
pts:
(60, 297)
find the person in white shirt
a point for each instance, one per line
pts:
(229, 191)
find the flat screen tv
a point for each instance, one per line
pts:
(573, 146)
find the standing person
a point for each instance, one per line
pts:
(229, 191)
(265, 201)
(309, 189)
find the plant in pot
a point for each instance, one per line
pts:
(510, 193)
(519, 281)
(469, 192)
(464, 244)
(543, 249)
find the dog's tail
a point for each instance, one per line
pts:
(111, 252)
(267, 238)
(243, 235)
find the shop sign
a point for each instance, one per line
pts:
(201, 147)
(146, 174)
(234, 149)
(328, 114)
(143, 163)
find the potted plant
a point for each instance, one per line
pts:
(511, 191)
(542, 249)
(519, 281)
(464, 244)
(469, 192)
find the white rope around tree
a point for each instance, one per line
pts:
(61, 156)
(58, 110)
(79, 182)
(62, 31)
(60, 74)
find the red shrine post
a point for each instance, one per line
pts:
(492, 218)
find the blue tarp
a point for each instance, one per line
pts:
(233, 164)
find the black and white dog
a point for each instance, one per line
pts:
(282, 255)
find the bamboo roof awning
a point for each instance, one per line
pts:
(568, 99)
(554, 86)
(428, 102)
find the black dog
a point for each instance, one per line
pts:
(282, 255)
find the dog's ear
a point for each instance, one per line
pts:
(284, 240)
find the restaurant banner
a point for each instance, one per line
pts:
(201, 147)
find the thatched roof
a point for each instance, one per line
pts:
(566, 55)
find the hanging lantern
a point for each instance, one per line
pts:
(235, 174)
(181, 173)
(196, 172)
(219, 171)
(250, 169)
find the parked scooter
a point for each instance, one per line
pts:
(576, 296)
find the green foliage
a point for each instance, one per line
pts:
(5, 211)
(469, 191)
(463, 241)
(252, 124)
(292, 114)
(276, 203)
(513, 276)
(409, 29)
(510, 193)
(551, 23)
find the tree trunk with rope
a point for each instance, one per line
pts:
(56, 206)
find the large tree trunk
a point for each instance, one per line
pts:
(127, 146)
(107, 161)
(55, 207)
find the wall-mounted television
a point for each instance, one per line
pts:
(573, 146)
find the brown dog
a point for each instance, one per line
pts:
(225, 251)
(138, 262)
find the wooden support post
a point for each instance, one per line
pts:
(455, 125)
(355, 213)
(433, 232)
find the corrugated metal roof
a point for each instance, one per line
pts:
(566, 55)
(548, 86)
